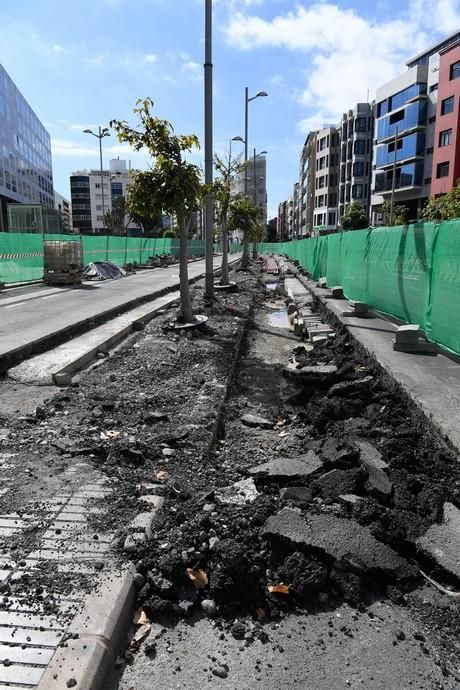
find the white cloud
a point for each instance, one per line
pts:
(345, 54)
(150, 58)
(58, 49)
(193, 69)
(65, 147)
(97, 60)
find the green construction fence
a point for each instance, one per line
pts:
(411, 272)
(21, 254)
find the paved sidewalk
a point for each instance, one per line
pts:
(42, 314)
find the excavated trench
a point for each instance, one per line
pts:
(327, 475)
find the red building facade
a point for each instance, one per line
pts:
(446, 154)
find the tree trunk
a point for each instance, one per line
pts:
(224, 280)
(245, 257)
(186, 302)
(254, 249)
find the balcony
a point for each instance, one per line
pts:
(411, 117)
(407, 177)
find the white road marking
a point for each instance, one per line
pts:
(16, 304)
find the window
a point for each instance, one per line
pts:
(360, 124)
(433, 87)
(357, 191)
(432, 119)
(447, 105)
(397, 117)
(391, 147)
(427, 180)
(429, 150)
(358, 169)
(331, 218)
(455, 70)
(442, 170)
(360, 147)
(445, 137)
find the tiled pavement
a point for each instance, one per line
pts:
(28, 635)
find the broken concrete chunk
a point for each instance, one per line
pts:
(254, 420)
(346, 388)
(337, 454)
(287, 468)
(339, 539)
(296, 494)
(350, 499)
(337, 482)
(376, 467)
(239, 493)
(311, 374)
(442, 542)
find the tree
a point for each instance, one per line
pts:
(355, 217)
(171, 185)
(226, 170)
(117, 220)
(243, 215)
(400, 214)
(444, 207)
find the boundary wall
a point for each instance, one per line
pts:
(21, 254)
(411, 272)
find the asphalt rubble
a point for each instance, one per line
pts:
(304, 485)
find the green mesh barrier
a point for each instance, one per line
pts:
(411, 272)
(443, 312)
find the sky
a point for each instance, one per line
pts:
(80, 64)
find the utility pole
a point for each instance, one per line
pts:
(393, 181)
(208, 146)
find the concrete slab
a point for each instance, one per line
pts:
(254, 420)
(239, 493)
(283, 469)
(442, 542)
(336, 482)
(376, 467)
(338, 539)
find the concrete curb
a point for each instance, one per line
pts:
(94, 637)
(13, 357)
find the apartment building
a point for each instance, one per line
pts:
(93, 195)
(355, 168)
(26, 175)
(326, 179)
(307, 176)
(446, 154)
(62, 205)
(405, 132)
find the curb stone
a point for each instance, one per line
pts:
(94, 636)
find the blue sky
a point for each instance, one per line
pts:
(81, 63)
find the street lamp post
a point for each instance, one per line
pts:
(103, 132)
(247, 100)
(208, 153)
(230, 151)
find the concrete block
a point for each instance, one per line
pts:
(322, 282)
(376, 467)
(337, 292)
(442, 542)
(356, 308)
(419, 347)
(407, 334)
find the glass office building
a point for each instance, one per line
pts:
(25, 152)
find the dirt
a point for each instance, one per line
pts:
(149, 415)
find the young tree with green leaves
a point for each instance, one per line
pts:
(243, 215)
(117, 220)
(355, 217)
(172, 185)
(400, 214)
(226, 169)
(444, 207)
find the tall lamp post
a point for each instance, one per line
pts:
(103, 132)
(208, 153)
(247, 100)
(230, 150)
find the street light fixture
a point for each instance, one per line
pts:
(235, 139)
(103, 132)
(247, 100)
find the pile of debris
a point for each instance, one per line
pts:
(103, 270)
